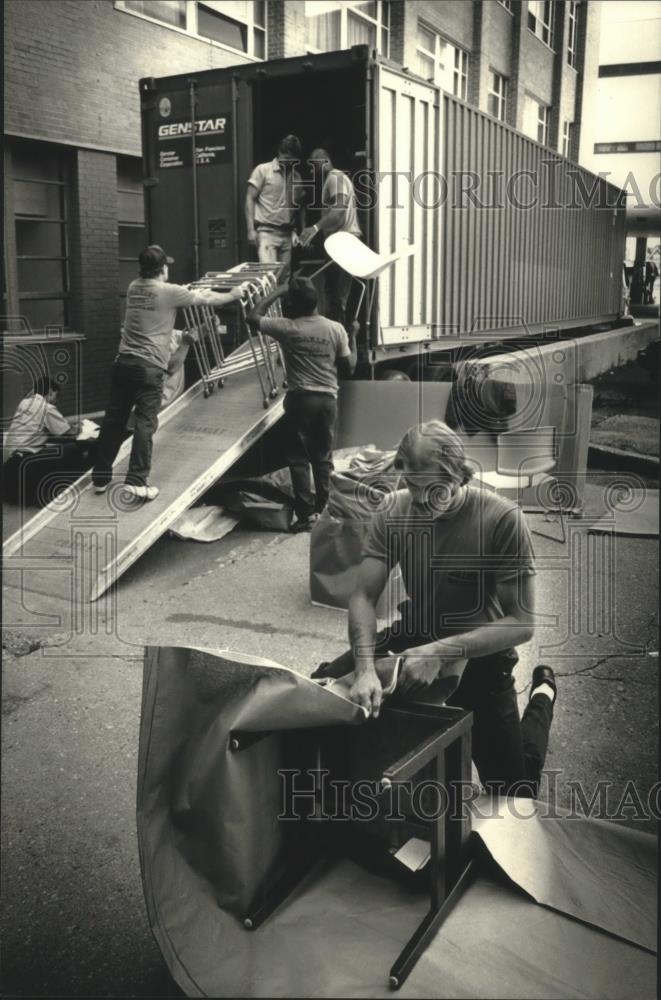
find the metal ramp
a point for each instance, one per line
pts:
(95, 538)
(82, 542)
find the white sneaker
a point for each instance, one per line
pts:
(142, 492)
(101, 489)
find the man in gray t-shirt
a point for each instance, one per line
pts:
(140, 368)
(467, 565)
(316, 349)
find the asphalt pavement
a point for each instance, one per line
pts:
(73, 920)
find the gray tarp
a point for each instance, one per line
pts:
(208, 835)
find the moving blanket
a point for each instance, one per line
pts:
(207, 836)
(357, 491)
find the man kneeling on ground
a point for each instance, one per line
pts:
(140, 368)
(316, 351)
(467, 563)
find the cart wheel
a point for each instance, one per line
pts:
(207, 391)
(220, 383)
(284, 383)
(273, 393)
(265, 404)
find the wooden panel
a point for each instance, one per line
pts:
(379, 413)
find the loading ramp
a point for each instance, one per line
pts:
(79, 545)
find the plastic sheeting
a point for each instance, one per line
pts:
(204, 524)
(208, 836)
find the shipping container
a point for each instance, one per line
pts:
(510, 238)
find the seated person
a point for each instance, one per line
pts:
(43, 455)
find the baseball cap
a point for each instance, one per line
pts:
(153, 258)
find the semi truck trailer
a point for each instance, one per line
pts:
(510, 238)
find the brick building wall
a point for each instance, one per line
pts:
(71, 78)
(95, 277)
(72, 70)
(287, 28)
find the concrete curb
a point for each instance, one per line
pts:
(602, 457)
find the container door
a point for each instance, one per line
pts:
(172, 203)
(409, 196)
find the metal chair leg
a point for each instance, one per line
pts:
(427, 930)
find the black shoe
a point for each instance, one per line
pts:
(304, 523)
(321, 670)
(544, 675)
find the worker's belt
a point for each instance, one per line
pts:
(274, 229)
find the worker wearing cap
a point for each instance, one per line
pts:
(141, 366)
(273, 200)
(467, 563)
(339, 214)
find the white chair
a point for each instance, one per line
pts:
(524, 458)
(362, 263)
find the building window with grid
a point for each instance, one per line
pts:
(172, 12)
(343, 23)
(39, 196)
(507, 4)
(235, 24)
(536, 119)
(131, 231)
(566, 138)
(497, 97)
(572, 33)
(443, 63)
(543, 124)
(540, 19)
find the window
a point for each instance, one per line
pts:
(460, 76)
(566, 138)
(235, 24)
(543, 124)
(131, 230)
(442, 62)
(641, 146)
(507, 4)
(40, 196)
(168, 11)
(536, 119)
(240, 26)
(343, 23)
(540, 19)
(572, 32)
(497, 99)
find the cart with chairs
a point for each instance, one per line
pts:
(257, 351)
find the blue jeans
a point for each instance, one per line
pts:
(133, 383)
